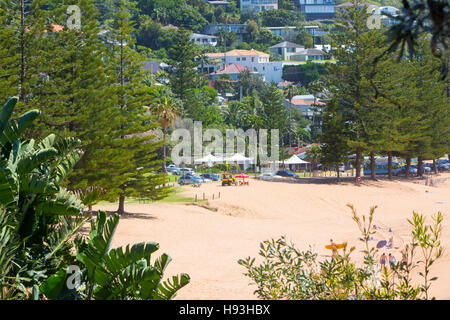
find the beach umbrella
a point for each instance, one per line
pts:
(381, 244)
(242, 175)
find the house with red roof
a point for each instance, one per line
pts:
(233, 70)
(254, 60)
(304, 103)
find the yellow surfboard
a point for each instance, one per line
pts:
(338, 246)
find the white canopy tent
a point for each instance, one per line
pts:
(209, 159)
(240, 159)
(295, 160)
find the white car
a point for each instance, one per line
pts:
(186, 171)
(205, 179)
(268, 176)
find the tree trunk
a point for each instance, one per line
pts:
(372, 166)
(121, 209)
(337, 173)
(419, 166)
(435, 166)
(390, 165)
(408, 166)
(358, 163)
(164, 151)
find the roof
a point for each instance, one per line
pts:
(309, 51)
(350, 3)
(280, 28)
(218, 2)
(199, 35)
(153, 66)
(284, 84)
(286, 44)
(56, 27)
(169, 26)
(232, 68)
(304, 149)
(236, 52)
(303, 102)
(314, 51)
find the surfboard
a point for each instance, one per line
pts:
(338, 246)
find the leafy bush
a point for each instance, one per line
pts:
(115, 273)
(287, 273)
(39, 221)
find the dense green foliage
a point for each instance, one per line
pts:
(288, 273)
(391, 108)
(304, 73)
(39, 221)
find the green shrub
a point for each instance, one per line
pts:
(288, 273)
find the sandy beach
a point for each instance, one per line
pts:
(207, 244)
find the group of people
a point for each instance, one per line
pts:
(392, 261)
(383, 259)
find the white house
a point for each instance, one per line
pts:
(258, 5)
(290, 51)
(254, 60)
(286, 49)
(204, 39)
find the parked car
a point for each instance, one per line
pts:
(173, 168)
(188, 179)
(382, 168)
(443, 166)
(424, 168)
(186, 171)
(213, 177)
(287, 174)
(204, 179)
(268, 176)
(411, 170)
(342, 168)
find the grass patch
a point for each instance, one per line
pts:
(176, 196)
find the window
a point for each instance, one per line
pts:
(238, 59)
(244, 59)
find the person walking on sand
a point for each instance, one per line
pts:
(392, 261)
(404, 261)
(383, 261)
(333, 248)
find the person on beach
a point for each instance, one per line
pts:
(390, 243)
(392, 261)
(383, 261)
(333, 248)
(404, 261)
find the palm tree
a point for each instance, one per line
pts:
(313, 155)
(290, 92)
(167, 109)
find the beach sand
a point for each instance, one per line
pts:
(207, 244)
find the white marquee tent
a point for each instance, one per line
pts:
(295, 160)
(209, 159)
